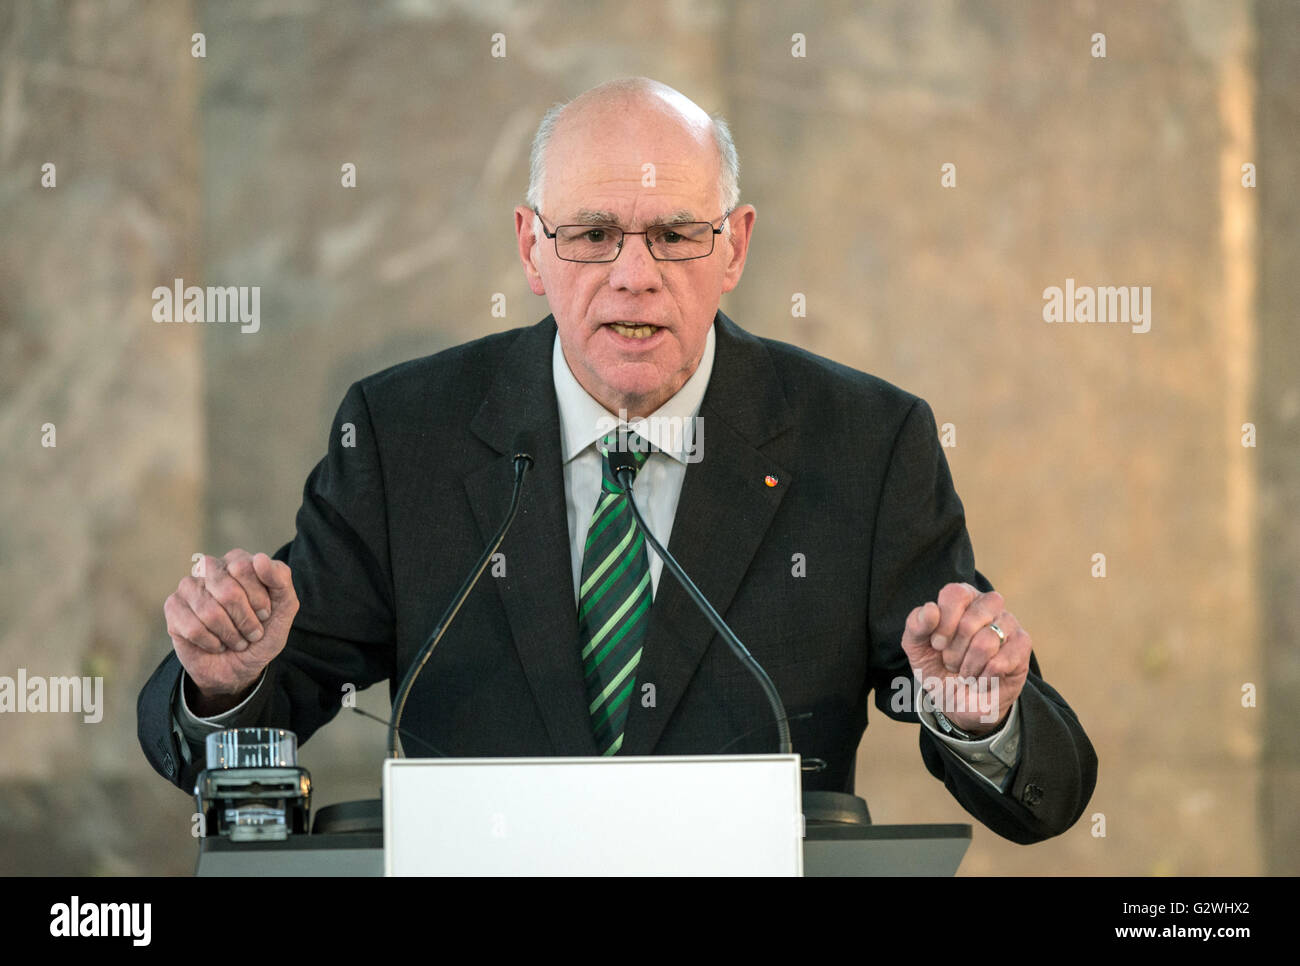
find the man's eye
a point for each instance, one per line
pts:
(671, 237)
(594, 235)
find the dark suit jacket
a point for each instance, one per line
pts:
(390, 526)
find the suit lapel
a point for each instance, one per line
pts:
(537, 591)
(724, 493)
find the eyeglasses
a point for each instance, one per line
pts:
(602, 243)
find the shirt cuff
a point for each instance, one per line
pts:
(992, 757)
(188, 725)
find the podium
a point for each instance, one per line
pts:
(740, 815)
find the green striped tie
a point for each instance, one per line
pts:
(613, 604)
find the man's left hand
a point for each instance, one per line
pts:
(951, 640)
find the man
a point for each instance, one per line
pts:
(811, 503)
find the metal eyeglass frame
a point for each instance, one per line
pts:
(618, 249)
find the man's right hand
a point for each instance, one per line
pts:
(228, 623)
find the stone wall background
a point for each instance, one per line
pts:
(1071, 440)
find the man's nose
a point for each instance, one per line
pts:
(635, 269)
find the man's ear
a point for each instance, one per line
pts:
(739, 231)
(524, 220)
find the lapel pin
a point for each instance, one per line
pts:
(770, 480)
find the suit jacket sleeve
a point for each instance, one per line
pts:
(921, 544)
(343, 633)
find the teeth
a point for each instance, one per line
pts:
(633, 331)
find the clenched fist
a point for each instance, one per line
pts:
(228, 622)
(953, 646)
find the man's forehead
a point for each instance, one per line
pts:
(621, 166)
(648, 192)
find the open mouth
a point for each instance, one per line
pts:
(634, 330)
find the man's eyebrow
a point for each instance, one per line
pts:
(589, 216)
(679, 217)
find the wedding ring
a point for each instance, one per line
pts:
(998, 631)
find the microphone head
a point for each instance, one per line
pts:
(621, 458)
(523, 448)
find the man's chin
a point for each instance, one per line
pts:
(637, 396)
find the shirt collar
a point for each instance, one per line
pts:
(670, 428)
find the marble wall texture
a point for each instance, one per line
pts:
(1071, 440)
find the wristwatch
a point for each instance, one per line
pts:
(948, 728)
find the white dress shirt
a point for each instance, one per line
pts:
(671, 431)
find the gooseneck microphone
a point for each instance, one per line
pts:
(623, 465)
(523, 460)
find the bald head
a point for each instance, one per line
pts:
(629, 107)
